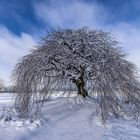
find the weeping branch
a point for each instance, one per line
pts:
(83, 60)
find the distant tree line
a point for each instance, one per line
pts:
(4, 88)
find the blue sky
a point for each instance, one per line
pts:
(22, 22)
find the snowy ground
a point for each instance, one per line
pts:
(64, 120)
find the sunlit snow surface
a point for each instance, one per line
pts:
(62, 119)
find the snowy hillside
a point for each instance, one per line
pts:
(62, 119)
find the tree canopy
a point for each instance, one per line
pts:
(89, 61)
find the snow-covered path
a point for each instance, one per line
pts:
(68, 122)
(64, 120)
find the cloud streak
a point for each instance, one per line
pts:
(129, 36)
(71, 14)
(12, 47)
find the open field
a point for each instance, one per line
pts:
(63, 119)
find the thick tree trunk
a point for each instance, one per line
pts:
(80, 84)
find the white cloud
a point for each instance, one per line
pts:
(127, 33)
(12, 47)
(129, 36)
(72, 13)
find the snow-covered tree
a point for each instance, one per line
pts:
(89, 61)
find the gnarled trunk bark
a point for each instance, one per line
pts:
(80, 84)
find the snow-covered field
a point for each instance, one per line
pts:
(62, 119)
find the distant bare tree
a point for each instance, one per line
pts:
(90, 61)
(1, 84)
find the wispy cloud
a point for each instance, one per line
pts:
(129, 36)
(72, 13)
(12, 47)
